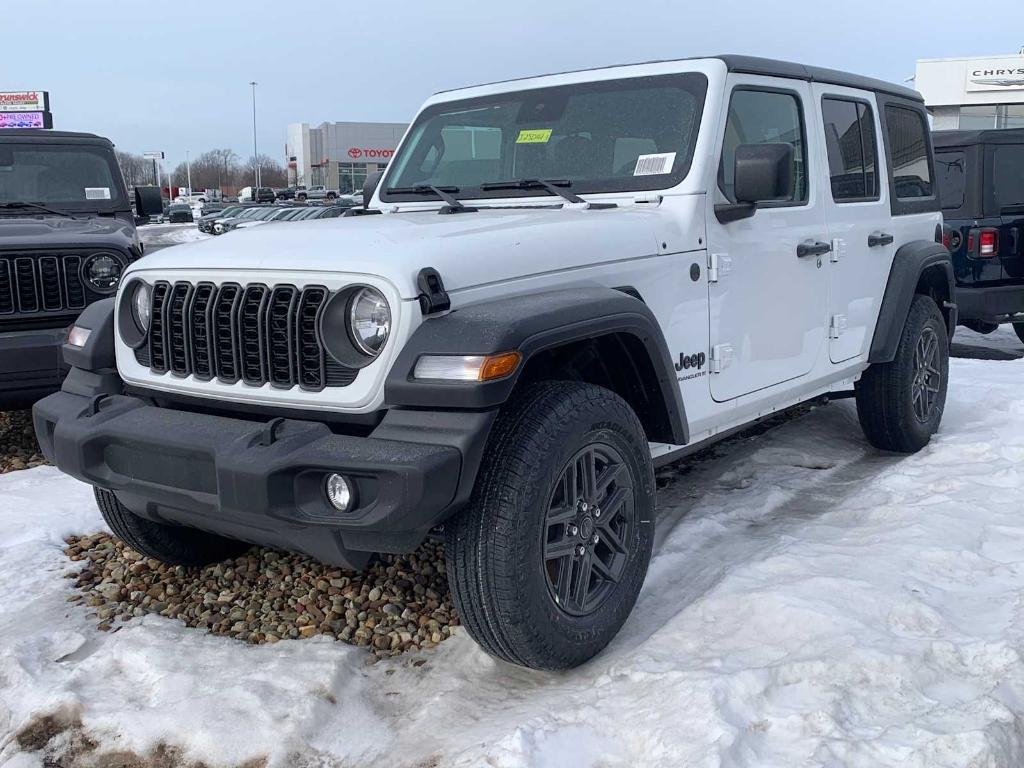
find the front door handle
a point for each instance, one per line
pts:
(876, 239)
(813, 248)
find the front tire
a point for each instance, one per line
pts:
(546, 562)
(171, 544)
(900, 403)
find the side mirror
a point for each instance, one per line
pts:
(148, 201)
(763, 172)
(370, 185)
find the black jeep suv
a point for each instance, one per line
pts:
(980, 176)
(66, 235)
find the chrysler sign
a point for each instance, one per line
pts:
(995, 75)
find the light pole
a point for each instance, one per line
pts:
(188, 171)
(255, 150)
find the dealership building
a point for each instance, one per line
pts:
(973, 94)
(339, 155)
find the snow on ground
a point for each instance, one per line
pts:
(811, 602)
(157, 236)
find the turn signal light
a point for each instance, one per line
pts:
(77, 337)
(988, 243)
(467, 367)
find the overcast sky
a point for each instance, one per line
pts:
(174, 75)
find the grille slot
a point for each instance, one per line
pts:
(254, 334)
(41, 283)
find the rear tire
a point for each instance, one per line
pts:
(900, 403)
(171, 544)
(546, 562)
(1018, 328)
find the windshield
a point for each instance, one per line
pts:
(66, 176)
(609, 136)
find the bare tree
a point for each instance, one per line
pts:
(272, 173)
(137, 170)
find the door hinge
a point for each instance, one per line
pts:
(838, 250)
(719, 265)
(721, 357)
(836, 326)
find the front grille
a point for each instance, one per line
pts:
(254, 334)
(31, 284)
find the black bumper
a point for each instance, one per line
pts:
(994, 304)
(30, 365)
(263, 482)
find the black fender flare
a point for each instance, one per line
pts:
(529, 323)
(910, 262)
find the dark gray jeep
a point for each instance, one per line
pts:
(66, 234)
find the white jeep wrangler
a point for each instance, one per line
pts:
(559, 283)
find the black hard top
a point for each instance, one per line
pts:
(755, 65)
(45, 135)
(942, 139)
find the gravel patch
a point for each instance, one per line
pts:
(400, 603)
(18, 446)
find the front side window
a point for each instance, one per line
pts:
(764, 117)
(950, 175)
(65, 176)
(850, 145)
(611, 136)
(908, 145)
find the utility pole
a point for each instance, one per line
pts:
(255, 149)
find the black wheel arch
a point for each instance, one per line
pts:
(582, 333)
(919, 267)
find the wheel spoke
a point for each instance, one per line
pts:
(581, 587)
(612, 539)
(555, 550)
(609, 475)
(602, 570)
(588, 474)
(613, 506)
(560, 515)
(562, 588)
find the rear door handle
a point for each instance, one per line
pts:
(876, 239)
(813, 248)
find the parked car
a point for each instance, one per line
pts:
(257, 195)
(318, 192)
(980, 177)
(260, 214)
(67, 233)
(662, 254)
(288, 193)
(179, 213)
(273, 214)
(246, 211)
(206, 221)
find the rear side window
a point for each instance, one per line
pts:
(1008, 175)
(950, 172)
(851, 146)
(764, 117)
(908, 147)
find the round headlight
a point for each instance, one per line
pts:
(369, 321)
(142, 301)
(102, 272)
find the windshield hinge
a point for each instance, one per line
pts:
(433, 297)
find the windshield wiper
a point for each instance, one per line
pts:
(554, 186)
(37, 206)
(454, 205)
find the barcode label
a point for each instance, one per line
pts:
(652, 165)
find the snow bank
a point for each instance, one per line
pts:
(811, 603)
(162, 235)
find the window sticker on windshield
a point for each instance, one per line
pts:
(97, 193)
(652, 165)
(539, 136)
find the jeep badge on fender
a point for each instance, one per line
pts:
(482, 352)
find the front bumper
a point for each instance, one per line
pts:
(30, 365)
(263, 482)
(994, 304)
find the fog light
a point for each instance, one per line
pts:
(78, 336)
(339, 492)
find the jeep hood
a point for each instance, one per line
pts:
(63, 232)
(468, 249)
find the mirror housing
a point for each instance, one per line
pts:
(372, 180)
(763, 172)
(148, 201)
